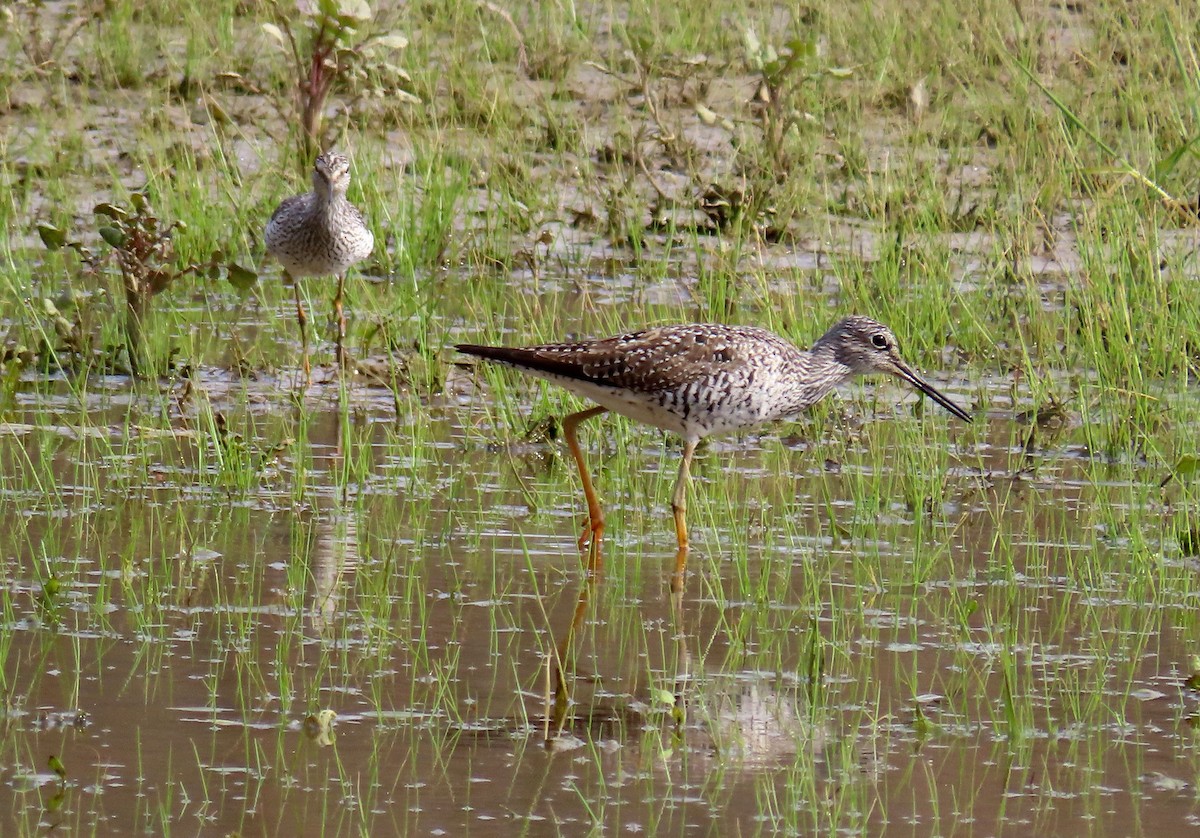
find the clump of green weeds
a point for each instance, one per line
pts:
(141, 245)
(326, 46)
(787, 75)
(781, 72)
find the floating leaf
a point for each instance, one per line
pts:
(242, 279)
(320, 727)
(564, 742)
(1147, 694)
(51, 236)
(921, 724)
(115, 236)
(1163, 782)
(50, 308)
(661, 696)
(56, 765)
(1193, 680)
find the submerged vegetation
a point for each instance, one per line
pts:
(358, 608)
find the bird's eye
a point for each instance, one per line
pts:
(879, 341)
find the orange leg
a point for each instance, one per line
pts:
(679, 508)
(341, 322)
(593, 528)
(302, 319)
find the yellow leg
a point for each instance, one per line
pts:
(679, 508)
(341, 322)
(302, 319)
(593, 528)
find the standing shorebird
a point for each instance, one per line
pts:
(703, 379)
(320, 233)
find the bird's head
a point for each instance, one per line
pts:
(866, 346)
(331, 174)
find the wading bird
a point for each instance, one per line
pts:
(320, 233)
(703, 379)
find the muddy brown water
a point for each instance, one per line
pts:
(803, 684)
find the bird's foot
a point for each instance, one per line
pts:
(589, 545)
(593, 533)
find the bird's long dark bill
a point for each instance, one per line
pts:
(931, 391)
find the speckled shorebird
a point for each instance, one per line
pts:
(320, 233)
(703, 379)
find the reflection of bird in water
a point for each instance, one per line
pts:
(703, 379)
(320, 233)
(756, 721)
(746, 716)
(336, 556)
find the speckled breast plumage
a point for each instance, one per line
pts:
(309, 239)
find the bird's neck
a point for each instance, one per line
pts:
(815, 373)
(330, 203)
(327, 194)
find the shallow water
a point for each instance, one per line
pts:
(1000, 660)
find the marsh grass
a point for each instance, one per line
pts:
(924, 617)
